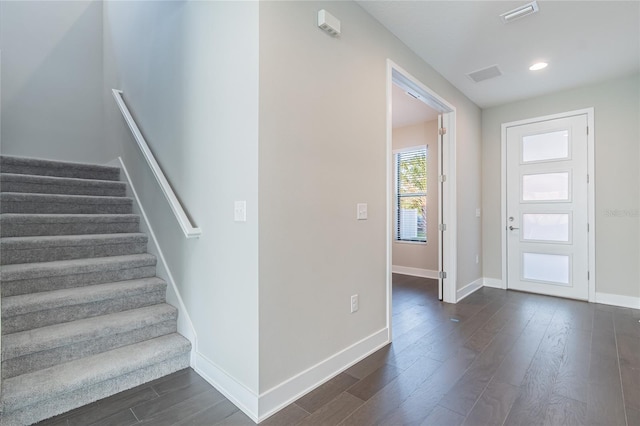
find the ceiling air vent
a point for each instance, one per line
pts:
(485, 74)
(519, 12)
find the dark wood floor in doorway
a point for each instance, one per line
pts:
(496, 358)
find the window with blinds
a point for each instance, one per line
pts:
(411, 194)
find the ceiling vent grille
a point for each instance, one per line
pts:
(485, 74)
(519, 12)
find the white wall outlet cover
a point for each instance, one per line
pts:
(477, 211)
(240, 211)
(361, 210)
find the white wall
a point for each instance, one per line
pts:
(322, 150)
(617, 136)
(52, 80)
(419, 255)
(189, 72)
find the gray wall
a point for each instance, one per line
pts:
(189, 72)
(52, 80)
(322, 150)
(419, 255)
(617, 136)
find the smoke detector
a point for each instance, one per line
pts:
(519, 12)
(329, 23)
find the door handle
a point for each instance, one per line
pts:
(511, 228)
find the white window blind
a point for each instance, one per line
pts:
(411, 194)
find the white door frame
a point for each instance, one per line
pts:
(591, 210)
(446, 146)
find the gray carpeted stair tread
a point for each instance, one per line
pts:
(13, 182)
(16, 202)
(26, 278)
(14, 250)
(28, 224)
(59, 335)
(75, 266)
(29, 390)
(34, 302)
(33, 166)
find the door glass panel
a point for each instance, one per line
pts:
(551, 268)
(545, 187)
(545, 146)
(545, 227)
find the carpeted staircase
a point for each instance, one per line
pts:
(83, 314)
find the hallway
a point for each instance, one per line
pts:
(497, 357)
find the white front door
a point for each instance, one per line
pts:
(547, 207)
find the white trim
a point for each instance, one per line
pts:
(591, 197)
(390, 226)
(278, 397)
(185, 224)
(589, 112)
(414, 272)
(618, 300)
(242, 397)
(493, 283)
(185, 326)
(469, 288)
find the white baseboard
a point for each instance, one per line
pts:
(185, 326)
(285, 393)
(618, 300)
(492, 282)
(243, 398)
(468, 289)
(414, 272)
(604, 298)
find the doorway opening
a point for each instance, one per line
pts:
(436, 225)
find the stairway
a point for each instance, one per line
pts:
(83, 314)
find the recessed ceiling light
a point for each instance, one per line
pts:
(538, 66)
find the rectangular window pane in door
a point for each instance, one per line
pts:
(551, 268)
(546, 146)
(546, 187)
(545, 227)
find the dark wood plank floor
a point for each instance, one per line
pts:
(496, 358)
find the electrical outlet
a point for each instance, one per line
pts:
(477, 211)
(477, 258)
(354, 303)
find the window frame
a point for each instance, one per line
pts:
(397, 196)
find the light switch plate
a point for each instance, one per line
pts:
(240, 211)
(361, 211)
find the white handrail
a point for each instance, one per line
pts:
(189, 230)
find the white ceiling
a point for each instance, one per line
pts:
(407, 110)
(583, 41)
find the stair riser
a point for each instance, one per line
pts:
(9, 229)
(34, 285)
(48, 358)
(63, 402)
(63, 314)
(10, 256)
(9, 206)
(35, 188)
(70, 172)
